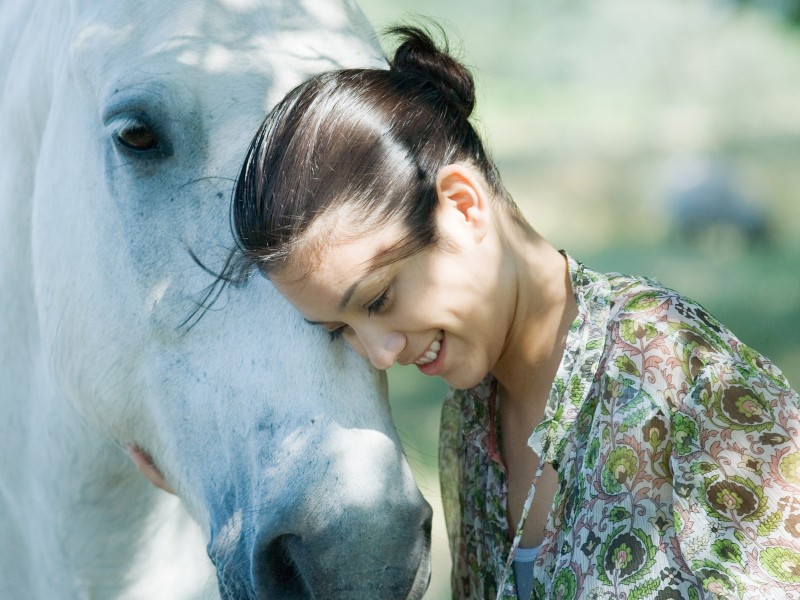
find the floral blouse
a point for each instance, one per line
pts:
(677, 449)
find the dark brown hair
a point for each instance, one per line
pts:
(370, 140)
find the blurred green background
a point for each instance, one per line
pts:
(619, 126)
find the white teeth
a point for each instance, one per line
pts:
(432, 352)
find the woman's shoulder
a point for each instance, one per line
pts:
(662, 329)
(634, 297)
(642, 296)
(641, 307)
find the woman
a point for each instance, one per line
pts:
(605, 437)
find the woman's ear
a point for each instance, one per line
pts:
(462, 198)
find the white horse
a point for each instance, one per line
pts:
(123, 125)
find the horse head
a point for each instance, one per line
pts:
(129, 121)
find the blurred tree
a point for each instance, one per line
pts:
(785, 9)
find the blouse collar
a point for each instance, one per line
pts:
(579, 364)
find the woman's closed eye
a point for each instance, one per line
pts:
(334, 330)
(379, 303)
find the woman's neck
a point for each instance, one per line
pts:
(545, 308)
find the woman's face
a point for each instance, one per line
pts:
(442, 309)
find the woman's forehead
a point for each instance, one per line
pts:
(341, 249)
(346, 231)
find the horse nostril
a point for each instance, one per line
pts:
(277, 571)
(427, 527)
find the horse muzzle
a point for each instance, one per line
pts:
(357, 556)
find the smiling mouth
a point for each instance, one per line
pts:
(432, 352)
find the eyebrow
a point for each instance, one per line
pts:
(348, 294)
(381, 259)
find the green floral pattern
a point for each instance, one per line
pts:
(678, 453)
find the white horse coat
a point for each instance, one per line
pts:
(123, 126)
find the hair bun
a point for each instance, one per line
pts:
(418, 54)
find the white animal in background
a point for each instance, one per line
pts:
(123, 126)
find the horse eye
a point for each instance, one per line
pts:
(137, 136)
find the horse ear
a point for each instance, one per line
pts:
(145, 464)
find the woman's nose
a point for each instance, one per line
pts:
(380, 348)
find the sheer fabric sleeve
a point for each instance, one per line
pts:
(451, 479)
(736, 467)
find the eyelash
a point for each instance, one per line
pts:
(378, 303)
(375, 306)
